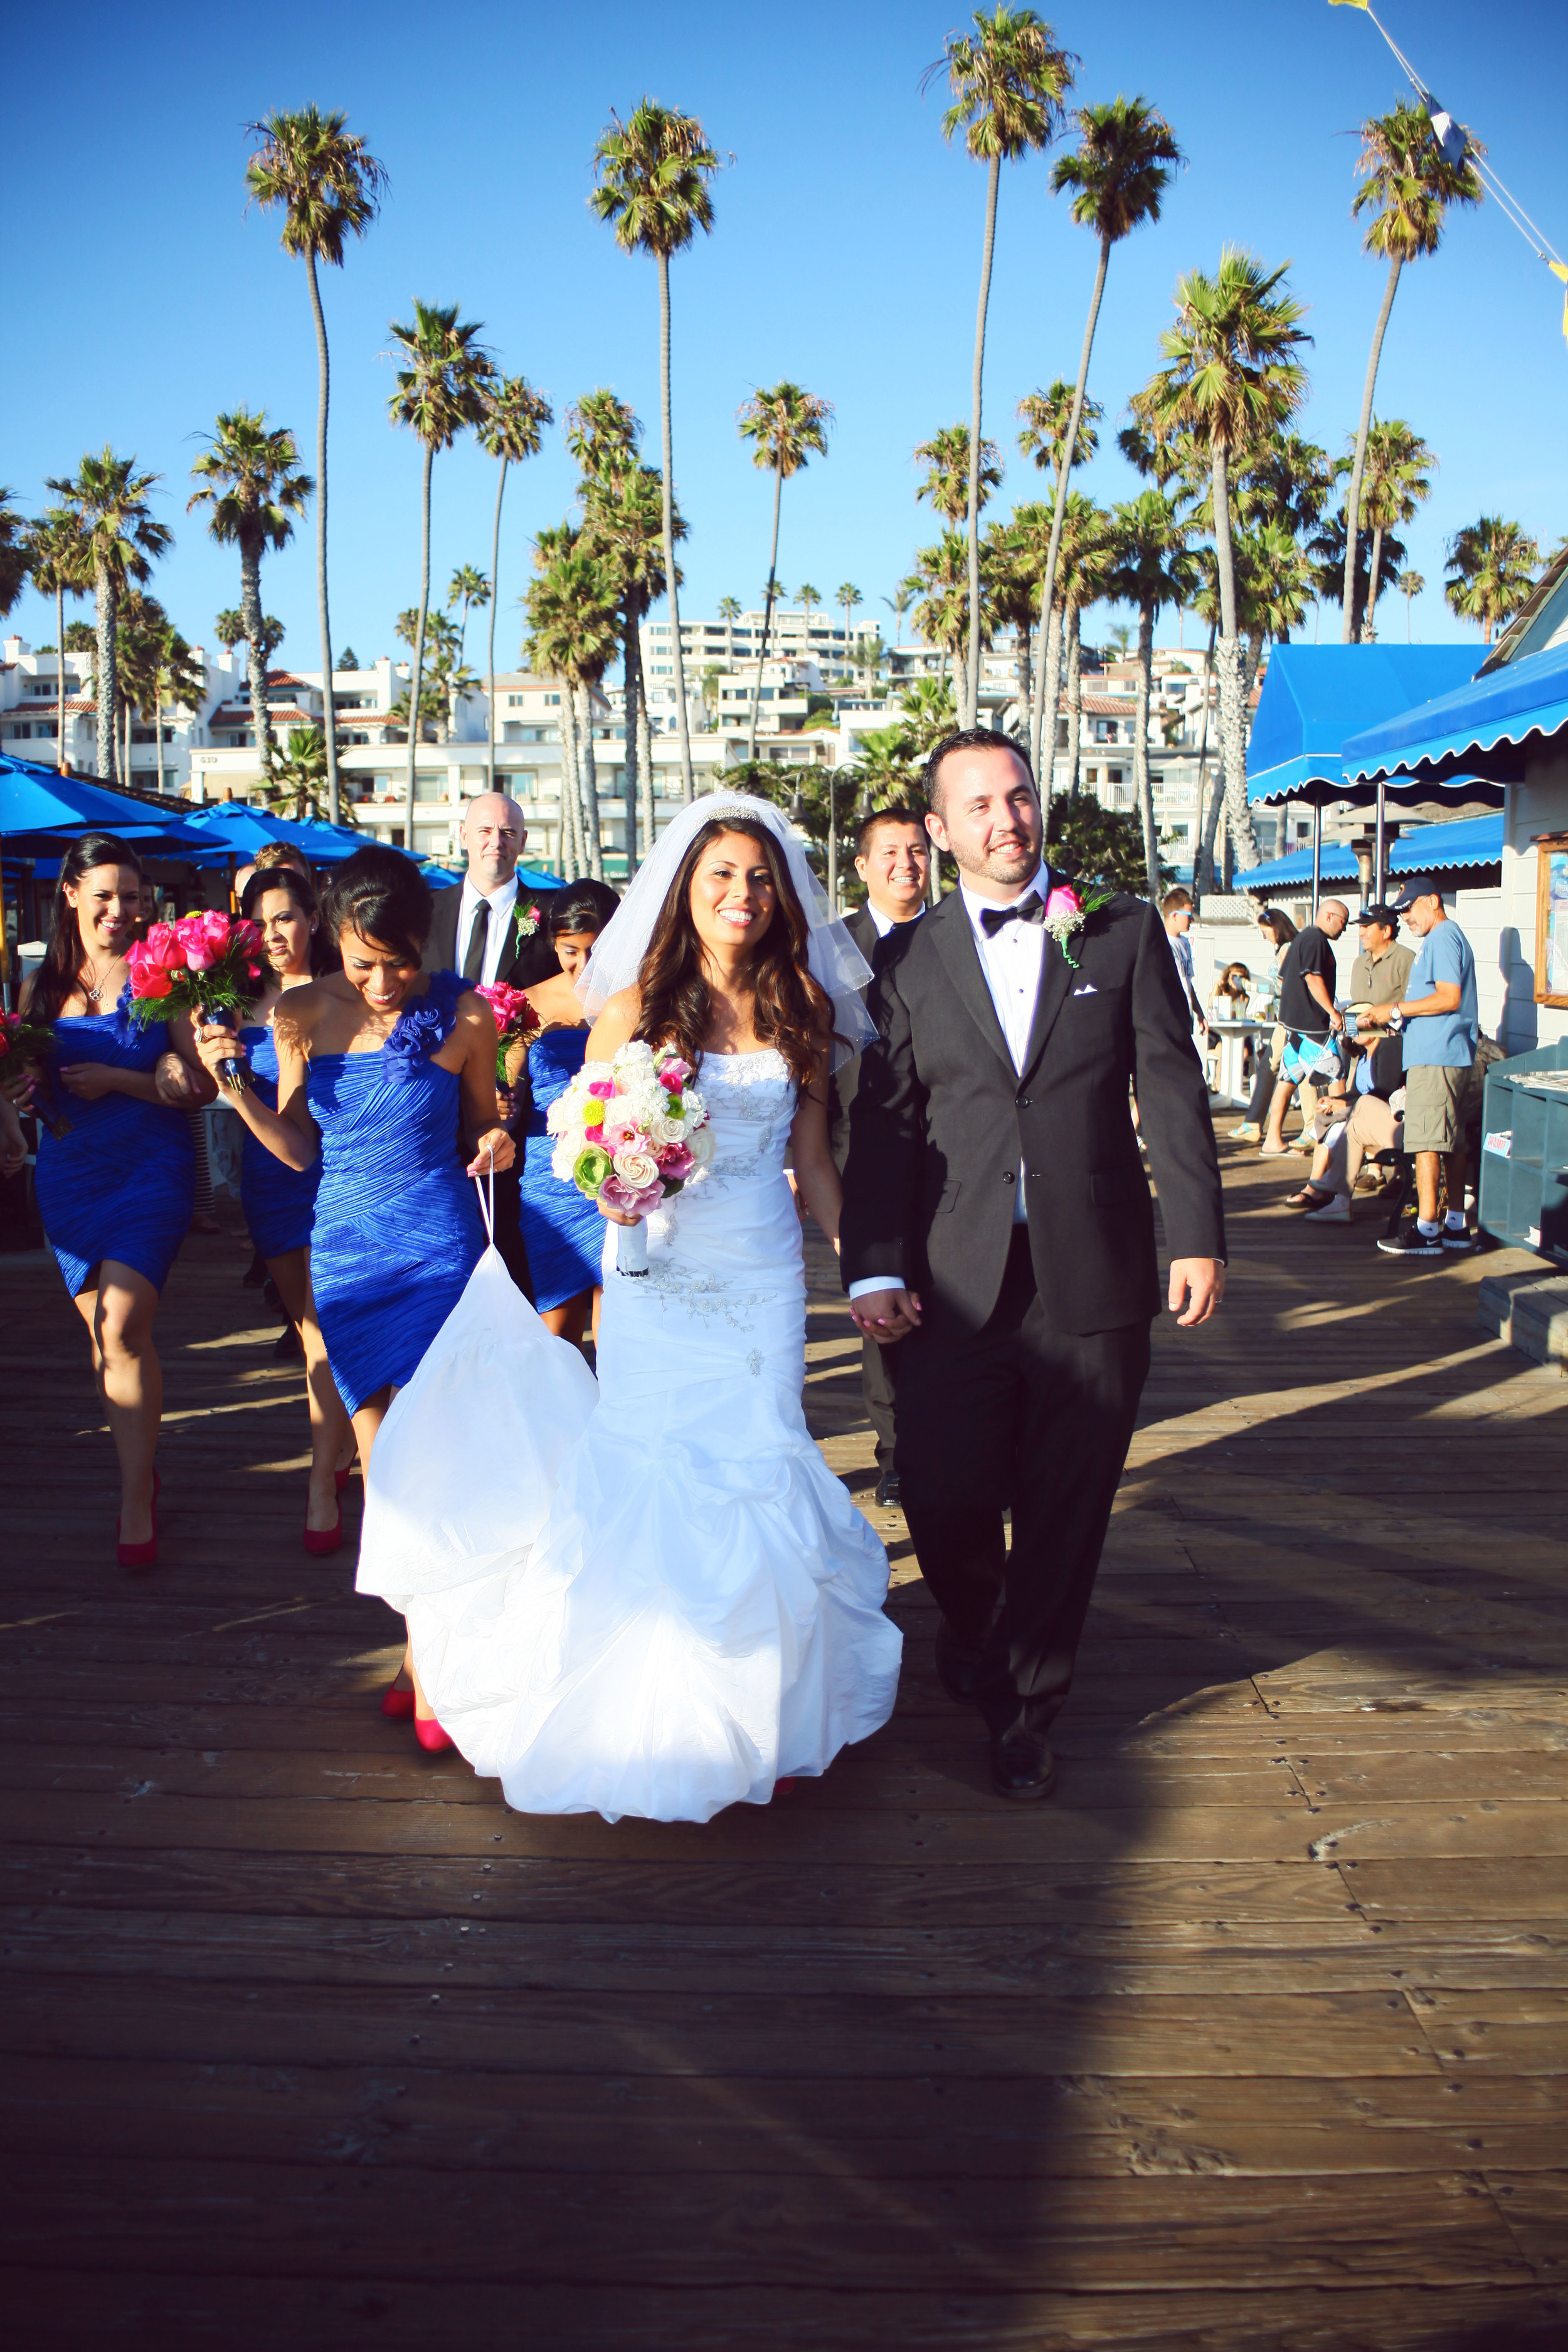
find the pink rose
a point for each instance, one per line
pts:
(215, 926)
(149, 979)
(675, 1163)
(1063, 902)
(602, 1089)
(628, 1198)
(674, 1074)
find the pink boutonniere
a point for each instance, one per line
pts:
(527, 922)
(1067, 911)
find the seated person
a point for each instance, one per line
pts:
(1364, 1113)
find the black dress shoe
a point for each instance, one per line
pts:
(887, 1491)
(1023, 1766)
(957, 1666)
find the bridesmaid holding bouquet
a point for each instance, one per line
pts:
(115, 1177)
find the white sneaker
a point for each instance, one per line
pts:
(1336, 1211)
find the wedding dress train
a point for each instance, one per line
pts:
(653, 1598)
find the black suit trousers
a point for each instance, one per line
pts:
(1017, 1415)
(878, 1374)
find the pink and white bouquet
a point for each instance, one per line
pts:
(630, 1132)
(207, 964)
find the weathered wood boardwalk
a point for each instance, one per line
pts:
(1256, 2035)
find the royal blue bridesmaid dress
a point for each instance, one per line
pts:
(396, 1232)
(564, 1233)
(120, 1182)
(280, 1202)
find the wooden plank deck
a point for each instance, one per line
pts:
(1256, 2035)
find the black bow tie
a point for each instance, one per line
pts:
(1029, 909)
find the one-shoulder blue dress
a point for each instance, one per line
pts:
(280, 1202)
(120, 1182)
(564, 1232)
(397, 1231)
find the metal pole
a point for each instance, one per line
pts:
(1377, 855)
(1317, 853)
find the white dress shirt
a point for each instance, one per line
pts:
(502, 902)
(885, 923)
(1012, 961)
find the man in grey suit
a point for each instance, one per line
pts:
(892, 859)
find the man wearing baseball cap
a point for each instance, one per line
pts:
(1381, 973)
(1440, 1029)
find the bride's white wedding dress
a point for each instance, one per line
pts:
(653, 1598)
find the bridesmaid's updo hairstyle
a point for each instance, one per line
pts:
(792, 1012)
(288, 878)
(581, 908)
(383, 896)
(56, 978)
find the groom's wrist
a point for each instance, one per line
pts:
(871, 1282)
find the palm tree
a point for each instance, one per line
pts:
(899, 603)
(1395, 480)
(514, 419)
(157, 668)
(1231, 377)
(467, 587)
(574, 633)
(848, 598)
(1407, 185)
(444, 387)
(1083, 570)
(652, 173)
(1044, 417)
(784, 425)
(728, 610)
(1150, 570)
(1009, 80)
(60, 565)
(250, 478)
(942, 616)
(298, 779)
(330, 186)
(1491, 567)
(14, 562)
(946, 459)
(108, 500)
(808, 598)
(1119, 174)
(1021, 564)
(1410, 585)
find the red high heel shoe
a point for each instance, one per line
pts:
(321, 1541)
(141, 1555)
(342, 1476)
(397, 1705)
(431, 1736)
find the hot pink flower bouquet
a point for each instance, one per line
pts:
(516, 1021)
(208, 964)
(630, 1132)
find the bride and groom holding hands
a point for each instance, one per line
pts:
(651, 1596)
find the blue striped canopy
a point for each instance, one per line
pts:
(1426, 849)
(1315, 697)
(1482, 728)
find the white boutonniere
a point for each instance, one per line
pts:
(526, 920)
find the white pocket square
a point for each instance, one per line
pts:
(1089, 988)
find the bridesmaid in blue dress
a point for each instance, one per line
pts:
(380, 1066)
(115, 1188)
(280, 1202)
(564, 1233)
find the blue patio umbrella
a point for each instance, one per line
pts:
(41, 810)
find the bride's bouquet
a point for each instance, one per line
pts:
(630, 1132)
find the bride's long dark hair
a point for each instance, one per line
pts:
(791, 1010)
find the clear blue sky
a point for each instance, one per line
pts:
(846, 251)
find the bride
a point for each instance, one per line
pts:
(654, 1598)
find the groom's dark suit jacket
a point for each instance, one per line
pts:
(523, 961)
(942, 1121)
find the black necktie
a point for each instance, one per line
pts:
(1031, 909)
(474, 961)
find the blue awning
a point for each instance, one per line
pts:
(1482, 728)
(42, 810)
(1315, 697)
(1473, 841)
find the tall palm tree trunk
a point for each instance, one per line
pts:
(688, 783)
(1074, 697)
(1352, 497)
(255, 658)
(1207, 819)
(1232, 713)
(1369, 618)
(832, 843)
(1026, 668)
(415, 681)
(125, 772)
(968, 715)
(1044, 726)
(767, 616)
(588, 765)
(329, 708)
(645, 760)
(105, 616)
(491, 655)
(572, 835)
(60, 761)
(629, 751)
(1145, 790)
(158, 731)
(1049, 681)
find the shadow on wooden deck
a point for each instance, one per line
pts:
(1253, 2036)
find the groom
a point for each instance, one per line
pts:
(997, 1220)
